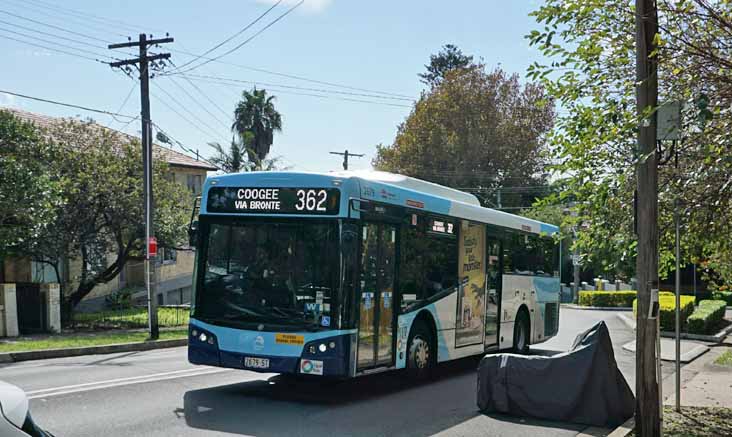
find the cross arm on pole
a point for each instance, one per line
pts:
(137, 43)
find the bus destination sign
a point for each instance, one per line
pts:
(256, 200)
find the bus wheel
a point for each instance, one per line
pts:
(521, 337)
(421, 355)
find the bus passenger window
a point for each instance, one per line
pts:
(428, 266)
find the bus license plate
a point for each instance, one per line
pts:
(256, 363)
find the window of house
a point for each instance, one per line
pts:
(194, 182)
(169, 256)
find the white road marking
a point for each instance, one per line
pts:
(58, 391)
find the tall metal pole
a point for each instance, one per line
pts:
(647, 410)
(677, 224)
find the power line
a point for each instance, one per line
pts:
(244, 29)
(318, 90)
(327, 97)
(176, 112)
(73, 12)
(69, 105)
(291, 76)
(205, 95)
(53, 26)
(185, 91)
(52, 35)
(52, 49)
(183, 147)
(25, 35)
(259, 32)
(54, 15)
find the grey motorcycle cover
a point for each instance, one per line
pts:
(583, 385)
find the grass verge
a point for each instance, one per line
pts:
(725, 359)
(696, 422)
(83, 340)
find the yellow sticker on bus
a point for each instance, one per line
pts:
(289, 339)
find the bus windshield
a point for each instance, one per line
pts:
(282, 274)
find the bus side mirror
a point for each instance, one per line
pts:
(193, 234)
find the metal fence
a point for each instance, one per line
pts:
(131, 317)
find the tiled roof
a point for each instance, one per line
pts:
(171, 156)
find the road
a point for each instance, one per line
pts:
(158, 393)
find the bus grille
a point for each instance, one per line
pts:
(551, 319)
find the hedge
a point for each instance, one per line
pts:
(607, 298)
(667, 303)
(723, 295)
(611, 298)
(707, 316)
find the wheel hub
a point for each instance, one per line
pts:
(422, 353)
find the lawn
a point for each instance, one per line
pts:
(725, 359)
(132, 318)
(82, 340)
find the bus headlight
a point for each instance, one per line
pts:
(322, 347)
(203, 337)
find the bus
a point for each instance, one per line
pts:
(349, 273)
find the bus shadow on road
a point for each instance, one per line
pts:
(381, 404)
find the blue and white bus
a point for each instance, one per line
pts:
(350, 273)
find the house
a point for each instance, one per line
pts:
(175, 267)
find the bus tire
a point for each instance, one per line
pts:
(521, 335)
(421, 352)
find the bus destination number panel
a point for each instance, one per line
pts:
(308, 201)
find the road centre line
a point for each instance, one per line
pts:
(57, 391)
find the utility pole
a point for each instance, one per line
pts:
(144, 61)
(647, 408)
(345, 155)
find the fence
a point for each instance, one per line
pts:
(131, 318)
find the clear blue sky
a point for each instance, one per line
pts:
(376, 44)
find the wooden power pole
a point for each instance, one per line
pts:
(144, 61)
(647, 407)
(345, 155)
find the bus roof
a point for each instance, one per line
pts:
(391, 188)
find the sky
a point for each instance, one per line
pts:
(368, 48)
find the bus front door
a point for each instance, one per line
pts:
(376, 306)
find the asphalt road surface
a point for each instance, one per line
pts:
(157, 393)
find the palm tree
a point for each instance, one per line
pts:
(232, 161)
(255, 115)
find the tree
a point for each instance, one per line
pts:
(98, 175)
(233, 161)
(448, 59)
(590, 47)
(475, 130)
(255, 121)
(28, 195)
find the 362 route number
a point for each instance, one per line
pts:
(311, 200)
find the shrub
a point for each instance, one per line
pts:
(667, 303)
(707, 316)
(607, 298)
(723, 295)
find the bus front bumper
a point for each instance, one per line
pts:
(309, 358)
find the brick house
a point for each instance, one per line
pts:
(175, 267)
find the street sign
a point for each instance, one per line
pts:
(668, 118)
(575, 260)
